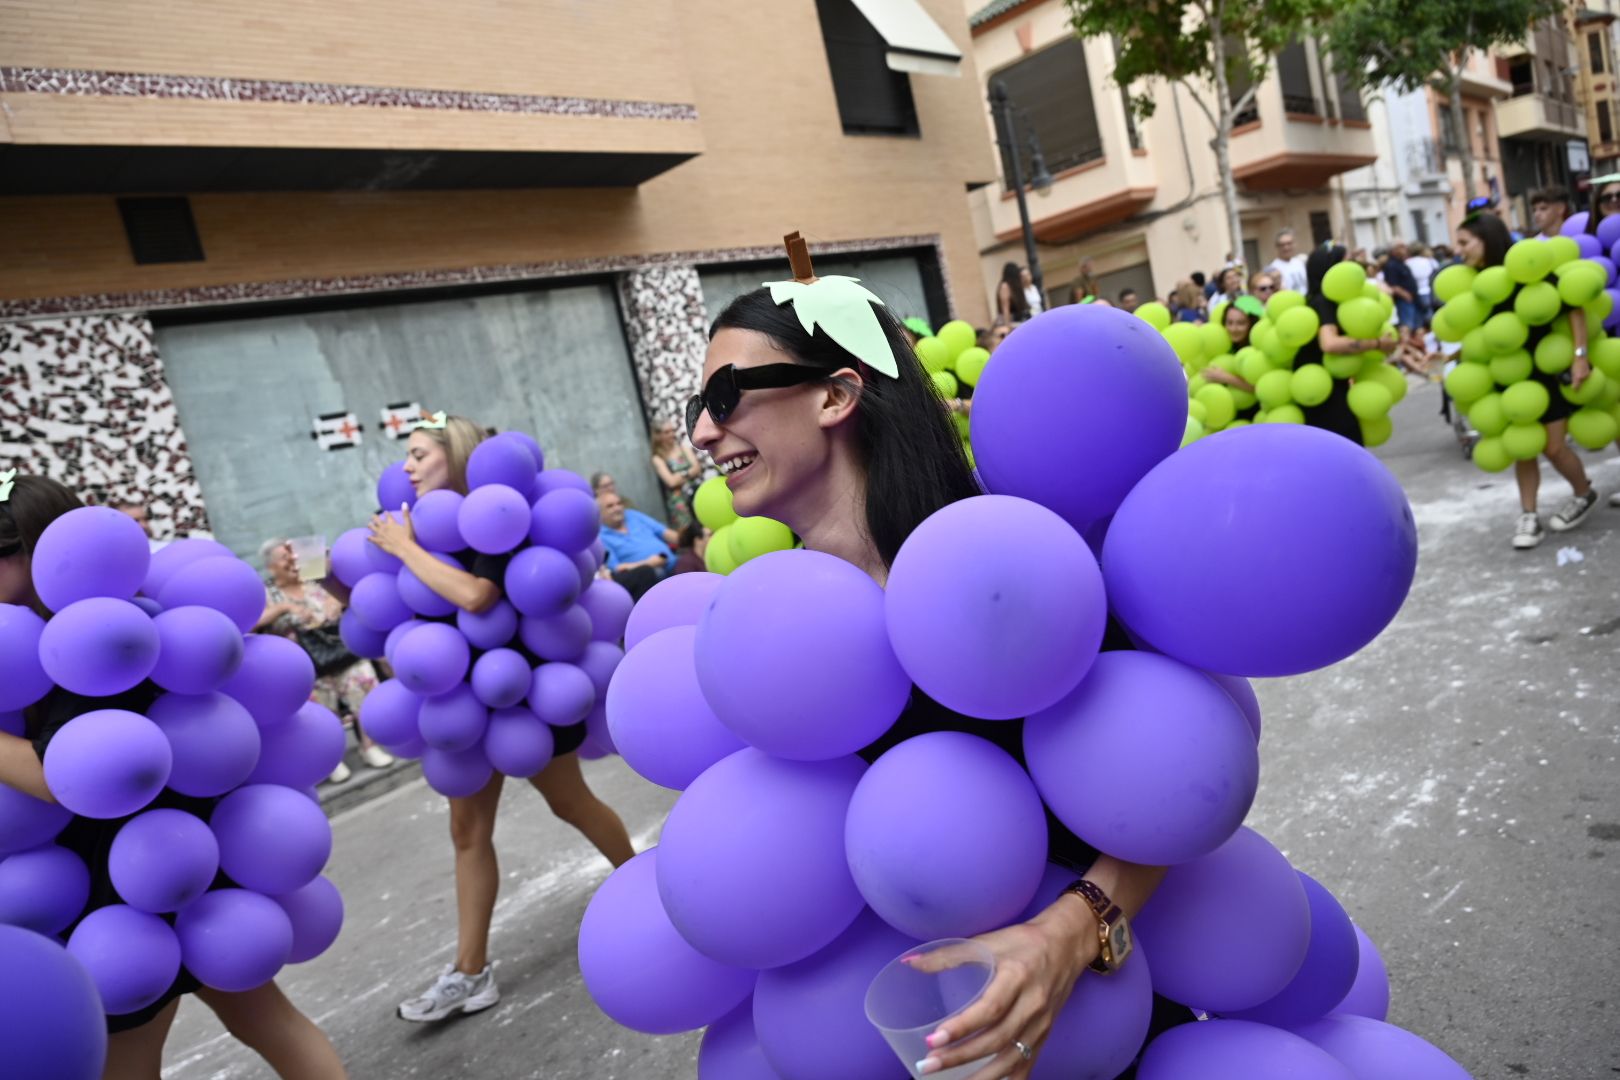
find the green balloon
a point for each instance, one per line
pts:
(1377, 432)
(1590, 390)
(1512, 368)
(1369, 400)
(1466, 310)
(1441, 325)
(1343, 365)
(1475, 349)
(1284, 414)
(1505, 332)
(1192, 432)
(970, 365)
(1454, 279)
(752, 537)
(963, 426)
(1267, 340)
(934, 353)
(1599, 310)
(1196, 410)
(1524, 402)
(1154, 314)
(1242, 399)
(1297, 326)
(1489, 454)
(1467, 383)
(1362, 318)
(1219, 408)
(1186, 341)
(1253, 364)
(1554, 353)
(712, 503)
(1195, 384)
(717, 556)
(945, 383)
(1610, 396)
(1213, 337)
(1311, 384)
(1563, 249)
(1538, 303)
(1486, 415)
(1284, 300)
(1240, 422)
(1344, 281)
(1390, 378)
(1524, 442)
(1225, 362)
(1606, 357)
(1386, 304)
(958, 337)
(1275, 388)
(1593, 428)
(1371, 361)
(1580, 282)
(1492, 286)
(1528, 260)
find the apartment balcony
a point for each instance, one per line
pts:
(1535, 116)
(1105, 188)
(1298, 142)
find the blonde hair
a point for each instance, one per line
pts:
(458, 438)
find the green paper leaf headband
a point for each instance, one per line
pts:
(433, 420)
(1250, 306)
(840, 306)
(7, 480)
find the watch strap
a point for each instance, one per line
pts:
(1107, 913)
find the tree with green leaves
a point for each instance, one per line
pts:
(1206, 46)
(1412, 45)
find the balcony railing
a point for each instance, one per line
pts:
(1249, 115)
(1427, 155)
(1302, 104)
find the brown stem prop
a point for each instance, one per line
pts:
(799, 258)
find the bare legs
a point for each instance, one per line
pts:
(574, 802)
(137, 1054)
(262, 1020)
(1528, 473)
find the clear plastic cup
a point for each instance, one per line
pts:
(906, 1005)
(309, 556)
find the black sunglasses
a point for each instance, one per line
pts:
(1611, 197)
(725, 387)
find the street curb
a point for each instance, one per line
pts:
(366, 784)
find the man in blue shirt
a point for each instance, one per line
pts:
(640, 549)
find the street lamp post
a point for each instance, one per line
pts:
(1001, 108)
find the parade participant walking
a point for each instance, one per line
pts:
(1333, 414)
(436, 459)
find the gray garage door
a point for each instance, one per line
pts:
(553, 363)
(895, 279)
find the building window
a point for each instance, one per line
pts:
(1131, 131)
(1321, 228)
(1420, 228)
(1594, 48)
(1350, 106)
(1294, 72)
(872, 98)
(1448, 130)
(1605, 123)
(1050, 94)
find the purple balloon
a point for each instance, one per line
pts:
(1373, 1050)
(376, 602)
(433, 519)
(567, 520)
(535, 453)
(51, 1023)
(1240, 691)
(596, 729)
(162, 860)
(13, 723)
(1244, 879)
(1575, 224)
(421, 598)
(27, 822)
(234, 939)
(224, 583)
(199, 648)
(494, 519)
(1332, 519)
(431, 659)
(91, 551)
(1613, 321)
(810, 1016)
(25, 681)
(395, 488)
(751, 866)
(1118, 371)
(454, 720)
(361, 639)
(1327, 973)
(541, 582)
(1236, 1050)
(379, 560)
(517, 742)
(350, 560)
(678, 600)
(1606, 262)
(1608, 231)
(638, 968)
(43, 889)
(585, 565)
(550, 480)
(1100, 1030)
(271, 839)
(1369, 994)
(389, 713)
(608, 603)
(150, 606)
(561, 637)
(132, 956)
(501, 678)
(561, 694)
(303, 751)
(600, 661)
(489, 629)
(759, 684)
(956, 602)
(501, 462)
(397, 634)
(316, 915)
(946, 783)
(167, 560)
(657, 715)
(730, 1050)
(591, 750)
(1183, 764)
(107, 763)
(99, 647)
(275, 679)
(213, 740)
(457, 774)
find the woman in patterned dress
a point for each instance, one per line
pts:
(679, 471)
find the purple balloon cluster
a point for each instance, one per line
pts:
(790, 871)
(466, 698)
(232, 722)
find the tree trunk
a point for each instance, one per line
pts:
(1222, 142)
(1459, 124)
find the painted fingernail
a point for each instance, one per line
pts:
(938, 1039)
(928, 1065)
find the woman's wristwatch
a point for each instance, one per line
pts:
(1113, 929)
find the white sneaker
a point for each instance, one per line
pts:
(452, 992)
(376, 757)
(1529, 532)
(1614, 500)
(1574, 511)
(340, 774)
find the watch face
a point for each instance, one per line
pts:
(1119, 942)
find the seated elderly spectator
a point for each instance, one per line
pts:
(640, 549)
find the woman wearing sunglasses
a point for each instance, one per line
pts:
(1605, 203)
(1264, 285)
(853, 459)
(436, 459)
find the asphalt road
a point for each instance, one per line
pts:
(1455, 784)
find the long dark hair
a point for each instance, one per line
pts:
(1490, 231)
(1320, 262)
(1011, 276)
(913, 457)
(35, 502)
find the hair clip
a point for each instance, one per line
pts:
(839, 305)
(7, 479)
(433, 420)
